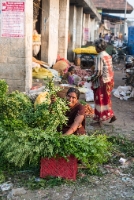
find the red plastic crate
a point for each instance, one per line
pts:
(59, 167)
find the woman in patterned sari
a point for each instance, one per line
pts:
(102, 85)
(75, 114)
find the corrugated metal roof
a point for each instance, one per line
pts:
(88, 7)
(117, 6)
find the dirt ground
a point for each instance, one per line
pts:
(124, 111)
(115, 184)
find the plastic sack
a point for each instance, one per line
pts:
(89, 96)
(42, 97)
(34, 64)
(82, 90)
(61, 66)
(6, 186)
(76, 79)
(89, 50)
(122, 92)
(41, 73)
(55, 74)
(132, 93)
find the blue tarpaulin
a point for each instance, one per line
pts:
(114, 18)
(131, 39)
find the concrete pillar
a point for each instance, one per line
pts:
(45, 30)
(16, 52)
(79, 29)
(28, 43)
(86, 29)
(93, 28)
(53, 31)
(50, 21)
(72, 32)
(63, 28)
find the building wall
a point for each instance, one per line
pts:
(16, 55)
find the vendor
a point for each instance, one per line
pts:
(75, 114)
(68, 77)
(102, 85)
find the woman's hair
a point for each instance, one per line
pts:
(100, 44)
(72, 68)
(74, 90)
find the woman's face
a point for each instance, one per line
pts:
(97, 49)
(72, 99)
(72, 72)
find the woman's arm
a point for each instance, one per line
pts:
(98, 69)
(77, 122)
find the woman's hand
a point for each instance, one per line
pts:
(77, 123)
(53, 99)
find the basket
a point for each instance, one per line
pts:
(62, 93)
(59, 167)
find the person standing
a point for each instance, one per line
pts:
(112, 38)
(102, 85)
(100, 35)
(106, 37)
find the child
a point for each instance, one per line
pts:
(68, 77)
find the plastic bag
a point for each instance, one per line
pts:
(42, 97)
(89, 96)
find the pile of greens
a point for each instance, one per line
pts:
(28, 134)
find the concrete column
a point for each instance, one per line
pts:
(63, 28)
(93, 28)
(49, 32)
(16, 54)
(53, 31)
(72, 32)
(79, 29)
(28, 43)
(86, 29)
(45, 30)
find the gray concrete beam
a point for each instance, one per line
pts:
(88, 8)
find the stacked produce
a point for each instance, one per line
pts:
(28, 134)
(81, 72)
(89, 111)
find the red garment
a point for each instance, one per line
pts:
(71, 114)
(102, 98)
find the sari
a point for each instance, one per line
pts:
(102, 85)
(102, 98)
(71, 114)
